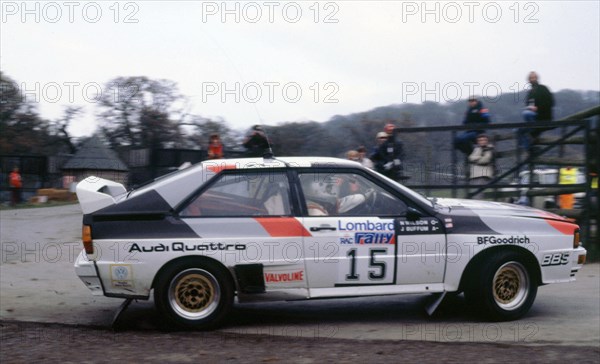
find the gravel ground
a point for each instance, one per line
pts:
(32, 342)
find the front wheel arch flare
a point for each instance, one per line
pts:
(481, 258)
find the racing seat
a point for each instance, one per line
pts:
(276, 200)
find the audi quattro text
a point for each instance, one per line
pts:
(304, 228)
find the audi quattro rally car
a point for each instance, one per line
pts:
(305, 228)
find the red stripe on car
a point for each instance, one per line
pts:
(564, 227)
(282, 226)
(216, 168)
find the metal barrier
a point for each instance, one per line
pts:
(577, 129)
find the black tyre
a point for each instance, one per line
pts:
(503, 287)
(194, 295)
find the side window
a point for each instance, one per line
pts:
(347, 194)
(243, 194)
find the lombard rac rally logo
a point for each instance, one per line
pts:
(369, 238)
(367, 232)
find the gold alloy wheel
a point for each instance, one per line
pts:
(510, 285)
(194, 293)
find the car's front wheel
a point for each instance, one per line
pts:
(503, 288)
(194, 295)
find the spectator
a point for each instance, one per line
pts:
(481, 162)
(15, 182)
(362, 157)
(215, 147)
(476, 115)
(380, 138)
(538, 108)
(256, 142)
(388, 157)
(352, 155)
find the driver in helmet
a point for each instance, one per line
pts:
(335, 195)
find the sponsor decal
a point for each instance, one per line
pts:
(284, 277)
(366, 226)
(555, 259)
(503, 240)
(184, 247)
(369, 238)
(419, 226)
(121, 275)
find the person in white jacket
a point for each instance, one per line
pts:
(481, 162)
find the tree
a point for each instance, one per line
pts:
(138, 112)
(10, 99)
(203, 128)
(59, 127)
(23, 130)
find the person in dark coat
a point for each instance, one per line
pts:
(256, 142)
(538, 108)
(476, 115)
(389, 155)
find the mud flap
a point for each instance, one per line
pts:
(434, 302)
(120, 310)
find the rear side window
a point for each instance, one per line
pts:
(243, 194)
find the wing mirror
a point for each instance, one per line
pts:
(413, 214)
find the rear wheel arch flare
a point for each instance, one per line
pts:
(197, 259)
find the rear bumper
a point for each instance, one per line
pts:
(86, 270)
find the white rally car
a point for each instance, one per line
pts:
(304, 228)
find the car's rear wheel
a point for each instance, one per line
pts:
(503, 288)
(194, 295)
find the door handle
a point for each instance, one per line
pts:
(323, 227)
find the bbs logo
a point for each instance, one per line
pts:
(555, 259)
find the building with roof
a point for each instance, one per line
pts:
(95, 158)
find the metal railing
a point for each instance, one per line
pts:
(577, 129)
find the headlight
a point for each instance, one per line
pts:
(576, 239)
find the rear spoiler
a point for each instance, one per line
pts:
(95, 193)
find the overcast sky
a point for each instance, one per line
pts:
(271, 62)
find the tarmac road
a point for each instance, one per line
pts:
(38, 284)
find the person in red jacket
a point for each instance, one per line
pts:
(215, 147)
(15, 183)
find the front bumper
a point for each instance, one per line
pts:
(86, 270)
(579, 256)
